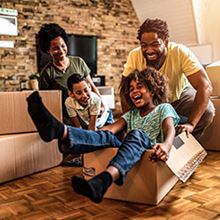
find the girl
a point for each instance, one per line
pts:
(149, 124)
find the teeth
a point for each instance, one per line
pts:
(137, 97)
(150, 56)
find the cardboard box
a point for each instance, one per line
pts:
(24, 154)
(213, 71)
(149, 182)
(14, 117)
(211, 138)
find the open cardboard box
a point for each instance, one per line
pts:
(149, 182)
(14, 117)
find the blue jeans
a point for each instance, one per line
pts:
(129, 151)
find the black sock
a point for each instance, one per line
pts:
(48, 126)
(94, 188)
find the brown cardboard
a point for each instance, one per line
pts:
(213, 71)
(185, 156)
(24, 154)
(211, 138)
(149, 182)
(14, 116)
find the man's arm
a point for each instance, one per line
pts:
(203, 87)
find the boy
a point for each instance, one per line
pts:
(83, 106)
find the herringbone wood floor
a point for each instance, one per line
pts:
(48, 195)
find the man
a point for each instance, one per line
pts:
(190, 87)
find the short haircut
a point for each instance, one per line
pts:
(73, 79)
(156, 26)
(49, 32)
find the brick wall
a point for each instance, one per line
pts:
(115, 22)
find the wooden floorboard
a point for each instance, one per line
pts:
(48, 195)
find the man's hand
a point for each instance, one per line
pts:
(188, 128)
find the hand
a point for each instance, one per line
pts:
(161, 151)
(188, 128)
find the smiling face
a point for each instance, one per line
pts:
(81, 92)
(154, 49)
(58, 49)
(140, 95)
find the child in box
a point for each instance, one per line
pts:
(150, 125)
(83, 106)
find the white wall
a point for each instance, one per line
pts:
(208, 24)
(178, 14)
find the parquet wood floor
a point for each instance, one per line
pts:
(48, 196)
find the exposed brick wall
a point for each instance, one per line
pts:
(114, 21)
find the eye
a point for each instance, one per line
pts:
(131, 89)
(86, 90)
(156, 44)
(143, 45)
(140, 85)
(78, 92)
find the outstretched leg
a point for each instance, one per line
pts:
(76, 140)
(129, 153)
(94, 188)
(48, 126)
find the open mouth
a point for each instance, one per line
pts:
(84, 101)
(137, 99)
(152, 56)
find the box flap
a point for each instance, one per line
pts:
(185, 156)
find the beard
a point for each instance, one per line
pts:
(158, 62)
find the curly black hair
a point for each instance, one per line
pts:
(154, 81)
(47, 33)
(156, 26)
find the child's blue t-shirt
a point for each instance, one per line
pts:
(152, 122)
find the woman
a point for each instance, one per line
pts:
(53, 40)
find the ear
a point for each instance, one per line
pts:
(166, 41)
(71, 94)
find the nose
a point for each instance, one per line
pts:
(61, 50)
(135, 90)
(84, 94)
(149, 49)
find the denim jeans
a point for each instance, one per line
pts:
(129, 151)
